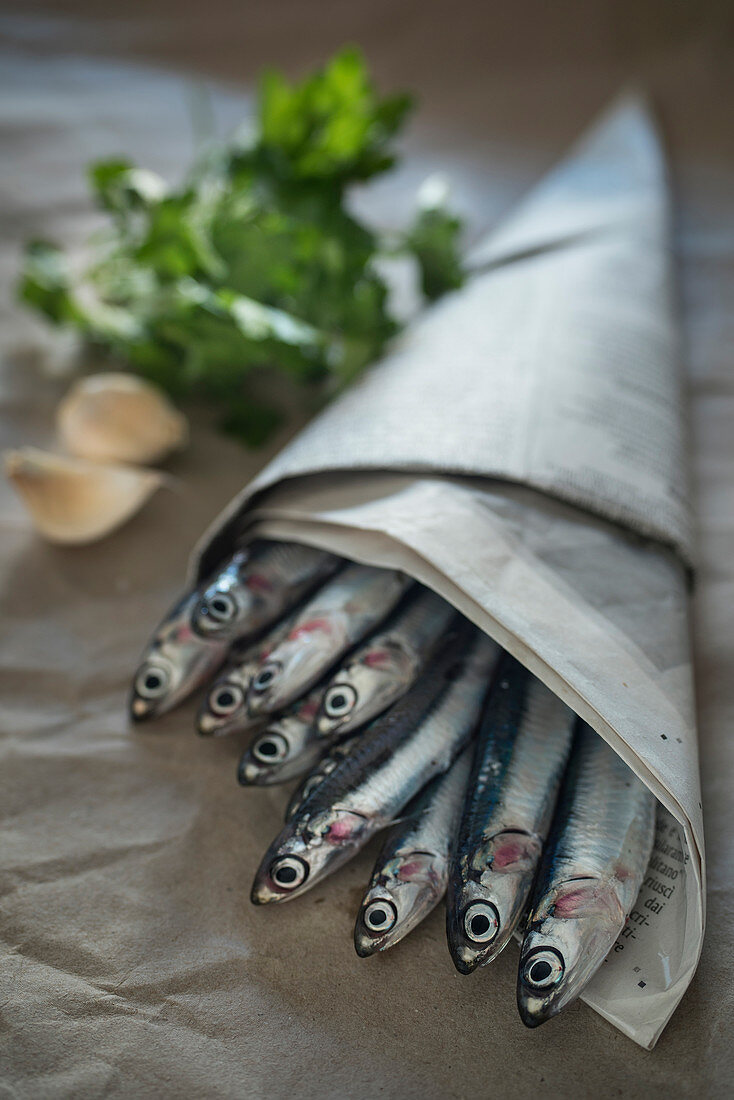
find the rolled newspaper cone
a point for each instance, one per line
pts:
(522, 452)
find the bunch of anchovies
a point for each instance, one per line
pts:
(397, 714)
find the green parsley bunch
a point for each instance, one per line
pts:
(254, 262)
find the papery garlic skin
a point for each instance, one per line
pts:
(74, 501)
(118, 417)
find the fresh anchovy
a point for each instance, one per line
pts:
(318, 774)
(522, 748)
(257, 586)
(224, 709)
(176, 662)
(384, 668)
(412, 869)
(337, 617)
(288, 746)
(592, 870)
(401, 751)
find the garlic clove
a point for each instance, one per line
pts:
(74, 501)
(117, 417)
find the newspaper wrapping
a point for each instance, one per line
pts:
(522, 451)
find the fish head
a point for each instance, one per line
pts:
(155, 686)
(292, 666)
(407, 888)
(308, 849)
(472, 925)
(226, 604)
(364, 687)
(569, 935)
(281, 752)
(224, 709)
(486, 903)
(176, 661)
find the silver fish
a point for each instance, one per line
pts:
(255, 588)
(224, 709)
(522, 748)
(392, 760)
(337, 617)
(412, 870)
(257, 585)
(318, 774)
(383, 669)
(288, 747)
(176, 661)
(592, 870)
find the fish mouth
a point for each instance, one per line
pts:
(140, 710)
(270, 748)
(325, 726)
(152, 690)
(253, 774)
(286, 875)
(262, 758)
(539, 979)
(223, 711)
(207, 725)
(377, 918)
(464, 959)
(404, 891)
(249, 774)
(472, 929)
(531, 1014)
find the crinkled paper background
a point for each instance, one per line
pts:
(131, 962)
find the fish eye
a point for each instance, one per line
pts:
(379, 916)
(225, 699)
(264, 678)
(339, 700)
(481, 922)
(543, 968)
(221, 607)
(152, 681)
(288, 872)
(271, 748)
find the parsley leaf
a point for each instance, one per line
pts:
(254, 261)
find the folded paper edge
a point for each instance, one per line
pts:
(316, 534)
(627, 124)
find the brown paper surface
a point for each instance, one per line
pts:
(131, 963)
